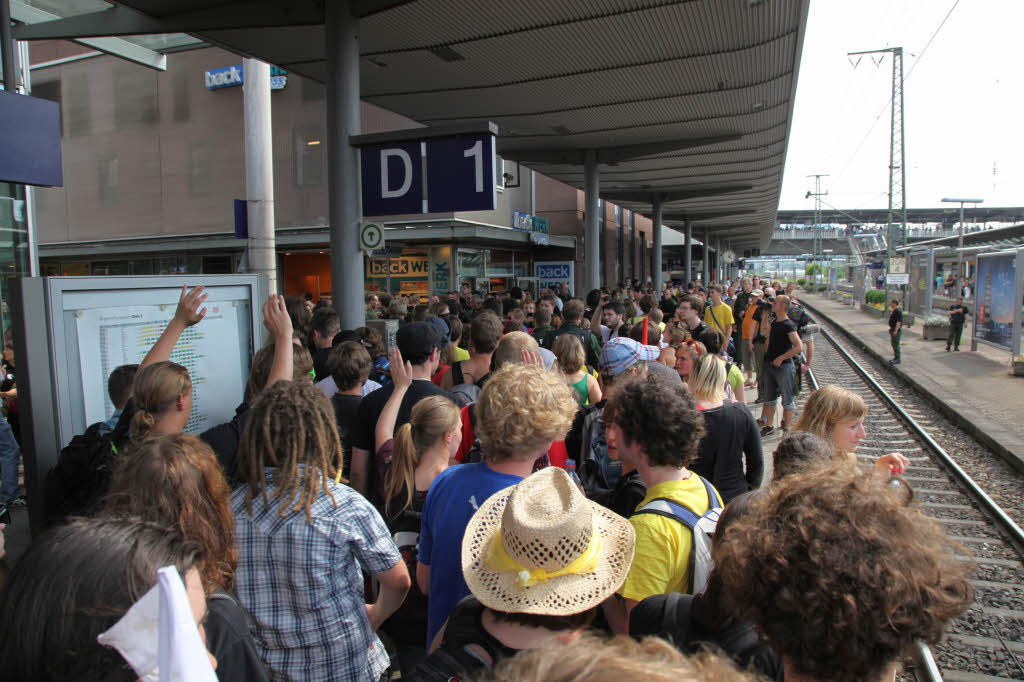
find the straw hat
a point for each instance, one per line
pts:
(542, 547)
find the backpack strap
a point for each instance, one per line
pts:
(715, 318)
(457, 376)
(662, 506)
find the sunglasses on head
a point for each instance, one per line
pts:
(694, 344)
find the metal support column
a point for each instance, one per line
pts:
(342, 50)
(7, 47)
(259, 170)
(688, 255)
(24, 77)
(591, 230)
(706, 265)
(656, 256)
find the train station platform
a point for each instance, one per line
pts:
(973, 389)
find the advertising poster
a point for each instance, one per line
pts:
(996, 281)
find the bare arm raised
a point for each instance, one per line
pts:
(186, 315)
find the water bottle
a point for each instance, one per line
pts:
(570, 468)
(894, 476)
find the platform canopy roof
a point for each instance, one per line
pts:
(689, 100)
(996, 239)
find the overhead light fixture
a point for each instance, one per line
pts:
(312, 143)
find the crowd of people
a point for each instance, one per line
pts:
(522, 488)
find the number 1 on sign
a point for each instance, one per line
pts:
(477, 152)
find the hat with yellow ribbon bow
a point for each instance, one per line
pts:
(542, 547)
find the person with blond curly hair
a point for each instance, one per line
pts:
(596, 659)
(840, 576)
(522, 410)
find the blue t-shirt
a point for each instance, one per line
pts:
(454, 497)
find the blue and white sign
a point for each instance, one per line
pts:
(553, 272)
(393, 179)
(522, 221)
(462, 174)
(459, 176)
(231, 76)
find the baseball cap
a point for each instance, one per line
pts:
(621, 352)
(757, 292)
(442, 326)
(344, 336)
(418, 338)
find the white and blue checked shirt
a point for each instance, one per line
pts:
(302, 585)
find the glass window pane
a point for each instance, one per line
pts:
(308, 150)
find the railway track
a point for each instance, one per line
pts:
(987, 642)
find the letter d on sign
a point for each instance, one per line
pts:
(385, 187)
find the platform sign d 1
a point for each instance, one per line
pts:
(553, 272)
(461, 173)
(392, 179)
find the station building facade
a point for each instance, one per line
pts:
(153, 161)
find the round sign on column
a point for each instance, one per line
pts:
(371, 236)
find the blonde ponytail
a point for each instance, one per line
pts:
(402, 472)
(430, 420)
(155, 389)
(142, 423)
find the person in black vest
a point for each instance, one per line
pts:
(895, 330)
(957, 314)
(572, 313)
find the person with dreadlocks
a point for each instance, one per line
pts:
(303, 540)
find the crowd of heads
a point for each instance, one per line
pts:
(837, 571)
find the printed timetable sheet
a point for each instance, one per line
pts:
(109, 337)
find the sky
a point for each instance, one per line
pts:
(963, 97)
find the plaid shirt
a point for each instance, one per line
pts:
(301, 583)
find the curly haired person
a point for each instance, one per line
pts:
(522, 410)
(840, 576)
(655, 426)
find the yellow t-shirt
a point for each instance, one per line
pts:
(461, 354)
(661, 560)
(724, 314)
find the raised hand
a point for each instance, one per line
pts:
(531, 358)
(401, 372)
(276, 318)
(188, 312)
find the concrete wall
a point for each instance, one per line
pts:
(149, 153)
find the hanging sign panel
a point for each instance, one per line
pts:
(30, 141)
(459, 175)
(392, 179)
(461, 172)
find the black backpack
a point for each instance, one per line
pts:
(464, 651)
(77, 485)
